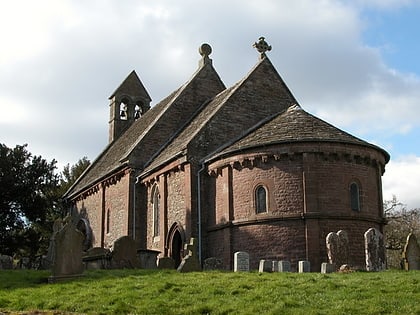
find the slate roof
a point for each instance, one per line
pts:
(130, 84)
(293, 125)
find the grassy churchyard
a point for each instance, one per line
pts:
(169, 292)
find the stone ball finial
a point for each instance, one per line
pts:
(205, 50)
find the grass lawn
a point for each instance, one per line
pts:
(170, 292)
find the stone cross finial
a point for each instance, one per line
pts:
(262, 46)
(205, 51)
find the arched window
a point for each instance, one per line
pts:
(138, 110)
(124, 109)
(156, 210)
(260, 199)
(354, 197)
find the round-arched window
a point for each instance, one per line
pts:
(260, 199)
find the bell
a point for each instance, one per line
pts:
(123, 114)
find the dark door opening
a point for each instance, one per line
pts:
(176, 248)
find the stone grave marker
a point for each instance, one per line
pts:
(327, 267)
(284, 266)
(240, 261)
(6, 262)
(68, 242)
(265, 265)
(304, 266)
(124, 253)
(337, 247)
(166, 263)
(374, 250)
(97, 258)
(411, 253)
(213, 263)
(148, 258)
(190, 262)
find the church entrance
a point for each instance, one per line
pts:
(176, 248)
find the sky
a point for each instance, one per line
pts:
(353, 63)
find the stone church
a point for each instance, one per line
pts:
(240, 168)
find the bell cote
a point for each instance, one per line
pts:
(127, 104)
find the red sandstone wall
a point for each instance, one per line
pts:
(91, 209)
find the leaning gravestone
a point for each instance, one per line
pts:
(337, 248)
(190, 262)
(411, 253)
(68, 242)
(374, 250)
(124, 253)
(240, 261)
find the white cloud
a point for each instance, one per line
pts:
(402, 180)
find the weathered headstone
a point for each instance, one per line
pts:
(190, 262)
(275, 266)
(212, 263)
(148, 258)
(166, 263)
(304, 266)
(265, 265)
(240, 261)
(411, 253)
(337, 247)
(284, 266)
(97, 258)
(327, 267)
(6, 262)
(374, 250)
(124, 253)
(68, 243)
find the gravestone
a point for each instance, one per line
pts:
(148, 258)
(190, 262)
(304, 266)
(240, 261)
(411, 253)
(124, 253)
(327, 268)
(213, 263)
(6, 262)
(68, 242)
(284, 266)
(374, 250)
(97, 258)
(265, 265)
(275, 266)
(166, 263)
(337, 247)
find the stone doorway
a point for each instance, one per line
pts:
(175, 243)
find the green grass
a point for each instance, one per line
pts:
(169, 292)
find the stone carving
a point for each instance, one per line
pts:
(124, 253)
(190, 262)
(213, 263)
(262, 47)
(337, 248)
(67, 251)
(374, 250)
(411, 253)
(304, 266)
(240, 261)
(265, 266)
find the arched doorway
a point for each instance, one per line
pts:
(175, 243)
(176, 248)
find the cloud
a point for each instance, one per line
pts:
(401, 180)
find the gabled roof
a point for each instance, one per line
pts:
(153, 129)
(293, 125)
(132, 86)
(258, 95)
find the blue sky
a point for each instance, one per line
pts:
(352, 63)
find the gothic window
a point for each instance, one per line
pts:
(156, 210)
(260, 199)
(354, 196)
